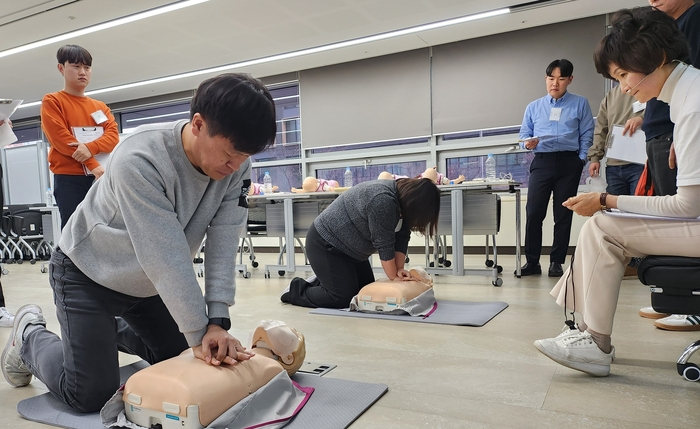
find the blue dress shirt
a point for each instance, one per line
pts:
(572, 132)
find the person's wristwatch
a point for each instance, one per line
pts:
(224, 322)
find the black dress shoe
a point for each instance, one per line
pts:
(529, 269)
(555, 269)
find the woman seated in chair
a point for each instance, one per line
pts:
(642, 53)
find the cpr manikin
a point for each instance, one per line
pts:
(259, 188)
(385, 175)
(414, 297)
(439, 178)
(312, 184)
(430, 173)
(186, 392)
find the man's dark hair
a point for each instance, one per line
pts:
(239, 108)
(74, 54)
(419, 200)
(565, 67)
(640, 40)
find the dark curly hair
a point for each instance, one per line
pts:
(640, 40)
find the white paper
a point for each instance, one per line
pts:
(541, 138)
(620, 213)
(7, 136)
(627, 148)
(7, 108)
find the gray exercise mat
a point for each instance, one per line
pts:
(335, 404)
(447, 313)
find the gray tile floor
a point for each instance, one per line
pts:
(456, 377)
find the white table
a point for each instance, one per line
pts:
(456, 224)
(286, 226)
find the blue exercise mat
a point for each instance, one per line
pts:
(335, 404)
(447, 313)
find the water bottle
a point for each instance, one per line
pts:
(49, 197)
(267, 183)
(490, 167)
(347, 182)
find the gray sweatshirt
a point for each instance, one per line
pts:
(140, 225)
(364, 219)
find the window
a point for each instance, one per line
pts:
(283, 176)
(371, 172)
(26, 134)
(154, 115)
(515, 165)
(288, 140)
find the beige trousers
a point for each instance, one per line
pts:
(606, 244)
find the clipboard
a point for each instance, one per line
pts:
(87, 135)
(625, 147)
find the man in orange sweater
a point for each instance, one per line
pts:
(78, 128)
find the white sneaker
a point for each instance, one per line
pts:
(577, 351)
(650, 313)
(6, 318)
(13, 368)
(679, 322)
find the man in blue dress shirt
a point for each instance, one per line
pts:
(558, 128)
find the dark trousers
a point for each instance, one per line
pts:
(340, 277)
(623, 179)
(664, 178)
(557, 173)
(70, 191)
(82, 367)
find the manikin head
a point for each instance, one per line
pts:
(639, 51)
(559, 74)
(310, 184)
(75, 64)
(286, 344)
(432, 174)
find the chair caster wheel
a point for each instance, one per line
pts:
(32, 261)
(281, 273)
(247, 275)
(197, 260)
(447, 264)
(489, 263)
(689, 371)
(499, 269)
(267, 274)
(20, 261)
(432, 264)
(254, 264)
(43, 270)
(497, 282)
(407, 260)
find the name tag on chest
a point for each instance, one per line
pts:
(555, 114)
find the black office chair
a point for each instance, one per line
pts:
(675, 289)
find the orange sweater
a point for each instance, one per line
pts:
(60, 112)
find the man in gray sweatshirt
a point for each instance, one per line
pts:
(122, 276)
